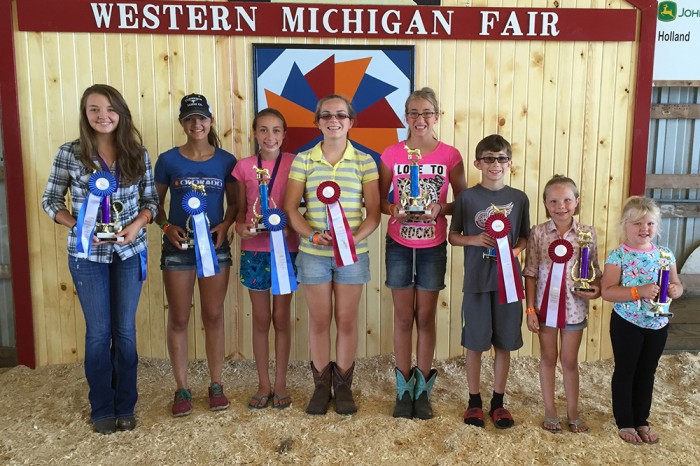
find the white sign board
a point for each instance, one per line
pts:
(677, 41)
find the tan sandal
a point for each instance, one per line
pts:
(630, 435)
(647, 435)
(552, 424)
(578, 426)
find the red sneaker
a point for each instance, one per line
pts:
(182, 406)
(217, 399)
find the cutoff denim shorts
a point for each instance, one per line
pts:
(314, 270)
(172, 258)
(430, 266)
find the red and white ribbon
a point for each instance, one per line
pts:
(510, 285)
(328, 192)
(553, 305)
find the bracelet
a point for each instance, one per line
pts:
(165, 227)
(163, 223)
(391, 209)
(147, 215)
(635, 293)
(311, 236)
(530, 310)
(317, 238)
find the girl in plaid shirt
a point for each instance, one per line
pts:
(107, 274)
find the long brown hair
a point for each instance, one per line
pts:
(127, 139)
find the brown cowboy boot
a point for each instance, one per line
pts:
(342, 387)
(322, 393)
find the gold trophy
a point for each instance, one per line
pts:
(189, 243)
(108, 228)
(262, 203)
(490, 253)
(583, 271)
(416, 202)
(662, 304)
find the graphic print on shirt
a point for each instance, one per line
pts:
(211, 185)
(432, 179)
(483, 215)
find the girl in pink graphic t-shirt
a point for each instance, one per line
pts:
(416, 246)
(269, 127)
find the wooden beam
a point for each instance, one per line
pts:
(679, 209)
(675, 111)
(668, 83)
(666, 181)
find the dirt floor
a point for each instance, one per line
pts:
(45, 420)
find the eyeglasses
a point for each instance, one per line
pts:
(490, 159)
(337, 116)
(425, 115)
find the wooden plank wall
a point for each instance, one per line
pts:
(566, 107)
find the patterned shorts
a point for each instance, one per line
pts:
(255, 269)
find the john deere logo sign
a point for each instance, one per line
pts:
(667, 11)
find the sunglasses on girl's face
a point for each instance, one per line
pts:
(337, 116)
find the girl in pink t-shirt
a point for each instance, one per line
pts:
(416, 246)
(269, 127)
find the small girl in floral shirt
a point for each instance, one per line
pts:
(638, 337)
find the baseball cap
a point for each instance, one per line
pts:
(194, 104)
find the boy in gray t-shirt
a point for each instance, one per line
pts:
(485, 322)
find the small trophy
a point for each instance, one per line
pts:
(416, 203)
(661, 307)
(263, 177)
(200, 193)
(583, 271)
(490, 253)
(108, 227)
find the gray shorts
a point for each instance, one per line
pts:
(486, 323)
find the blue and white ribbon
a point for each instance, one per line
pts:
(195, 205)
(283, 279)
(101, 184)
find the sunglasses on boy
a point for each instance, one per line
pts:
(490, 159)
(337, 116)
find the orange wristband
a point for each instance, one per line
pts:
(165, 227)
(635, 293)
(530, 310)
(317, 235)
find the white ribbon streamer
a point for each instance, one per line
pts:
(341, 234)
(558, 271)
(506, 265)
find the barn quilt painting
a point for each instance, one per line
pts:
(377, 80)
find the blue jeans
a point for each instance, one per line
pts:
(109, 295)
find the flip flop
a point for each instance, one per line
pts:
(259, 402)
(646, 434)
(578, 426)
(281, 402)
(474, 417)
(629, 435)
(502, 418)
(552, 424)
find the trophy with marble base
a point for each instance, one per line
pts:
(583, 272)
(262, 203)
(491, 253)
(109, 227)
(416, 203)
(189, 224)
(662, 304)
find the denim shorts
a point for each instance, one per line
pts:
(255, 269)
(172, 258)
(314, 270)
(430, 266)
